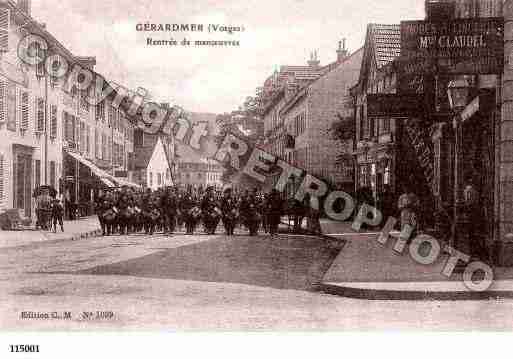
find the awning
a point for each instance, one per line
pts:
(123, 182)
(107, 182)
(104, 176)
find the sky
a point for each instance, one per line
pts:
(214, 80)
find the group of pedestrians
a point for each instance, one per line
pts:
(168, 209)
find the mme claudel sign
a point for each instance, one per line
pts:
(461, 46)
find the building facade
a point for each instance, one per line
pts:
(309, 115)
(376, 134)
(50, 136)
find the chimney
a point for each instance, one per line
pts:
(440, 10)
(342, 52)
(24, 5)
(314, 61)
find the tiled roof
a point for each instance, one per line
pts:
(386, 40)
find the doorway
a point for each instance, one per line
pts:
(23, 180)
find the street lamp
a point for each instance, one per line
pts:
(458, 92)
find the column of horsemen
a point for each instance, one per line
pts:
(167, 210)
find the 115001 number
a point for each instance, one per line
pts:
(24, 348)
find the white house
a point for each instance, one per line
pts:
(158, 168)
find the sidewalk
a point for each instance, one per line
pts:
(329, 227)
(365, 269)
(82, 228)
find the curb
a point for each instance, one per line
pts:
(371, 294)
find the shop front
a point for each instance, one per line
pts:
(81, 183)
(454, 142)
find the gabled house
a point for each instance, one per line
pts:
(375, 135)
(152, 166)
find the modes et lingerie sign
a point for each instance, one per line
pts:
(461, 46)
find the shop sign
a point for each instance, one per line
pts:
(393, 105)
(460, 46)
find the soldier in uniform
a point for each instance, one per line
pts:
(109, 215)
(187, 205)
(170, 209)
(209, 210)
(229, 210)
(274, 207)
(123, 217)
(249, 212)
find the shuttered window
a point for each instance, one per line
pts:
(100, 111)
(2, 175)
(3, 101)
(4, 29)
(82, 137)
(40, 114)
(40, 67)
(88, 139)
(53, 121)
(52, 174)
(24, 110)
(37, 175)
(11, 106)
(96, 144)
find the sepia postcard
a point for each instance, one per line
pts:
(242, 166)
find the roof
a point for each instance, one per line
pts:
(382, 47)
(386, 42)
(329, 68)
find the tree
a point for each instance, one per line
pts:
(343, 130)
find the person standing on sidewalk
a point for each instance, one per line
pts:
(313, 219)
(408, 206)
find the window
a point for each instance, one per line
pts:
(1, 177)
(88, 139)
(24, 110)
(151, 179)
(53, 121)
(110, 119)
(5, 18)
(40, 114)
(69, 127)
(11, 106)
(52, 174)
(100, 111)
(104, 147)
(3, 101)
(40, 67)
(159, 179)
(37, 171)
(82, 137)
(83, 100)
(96, 143)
